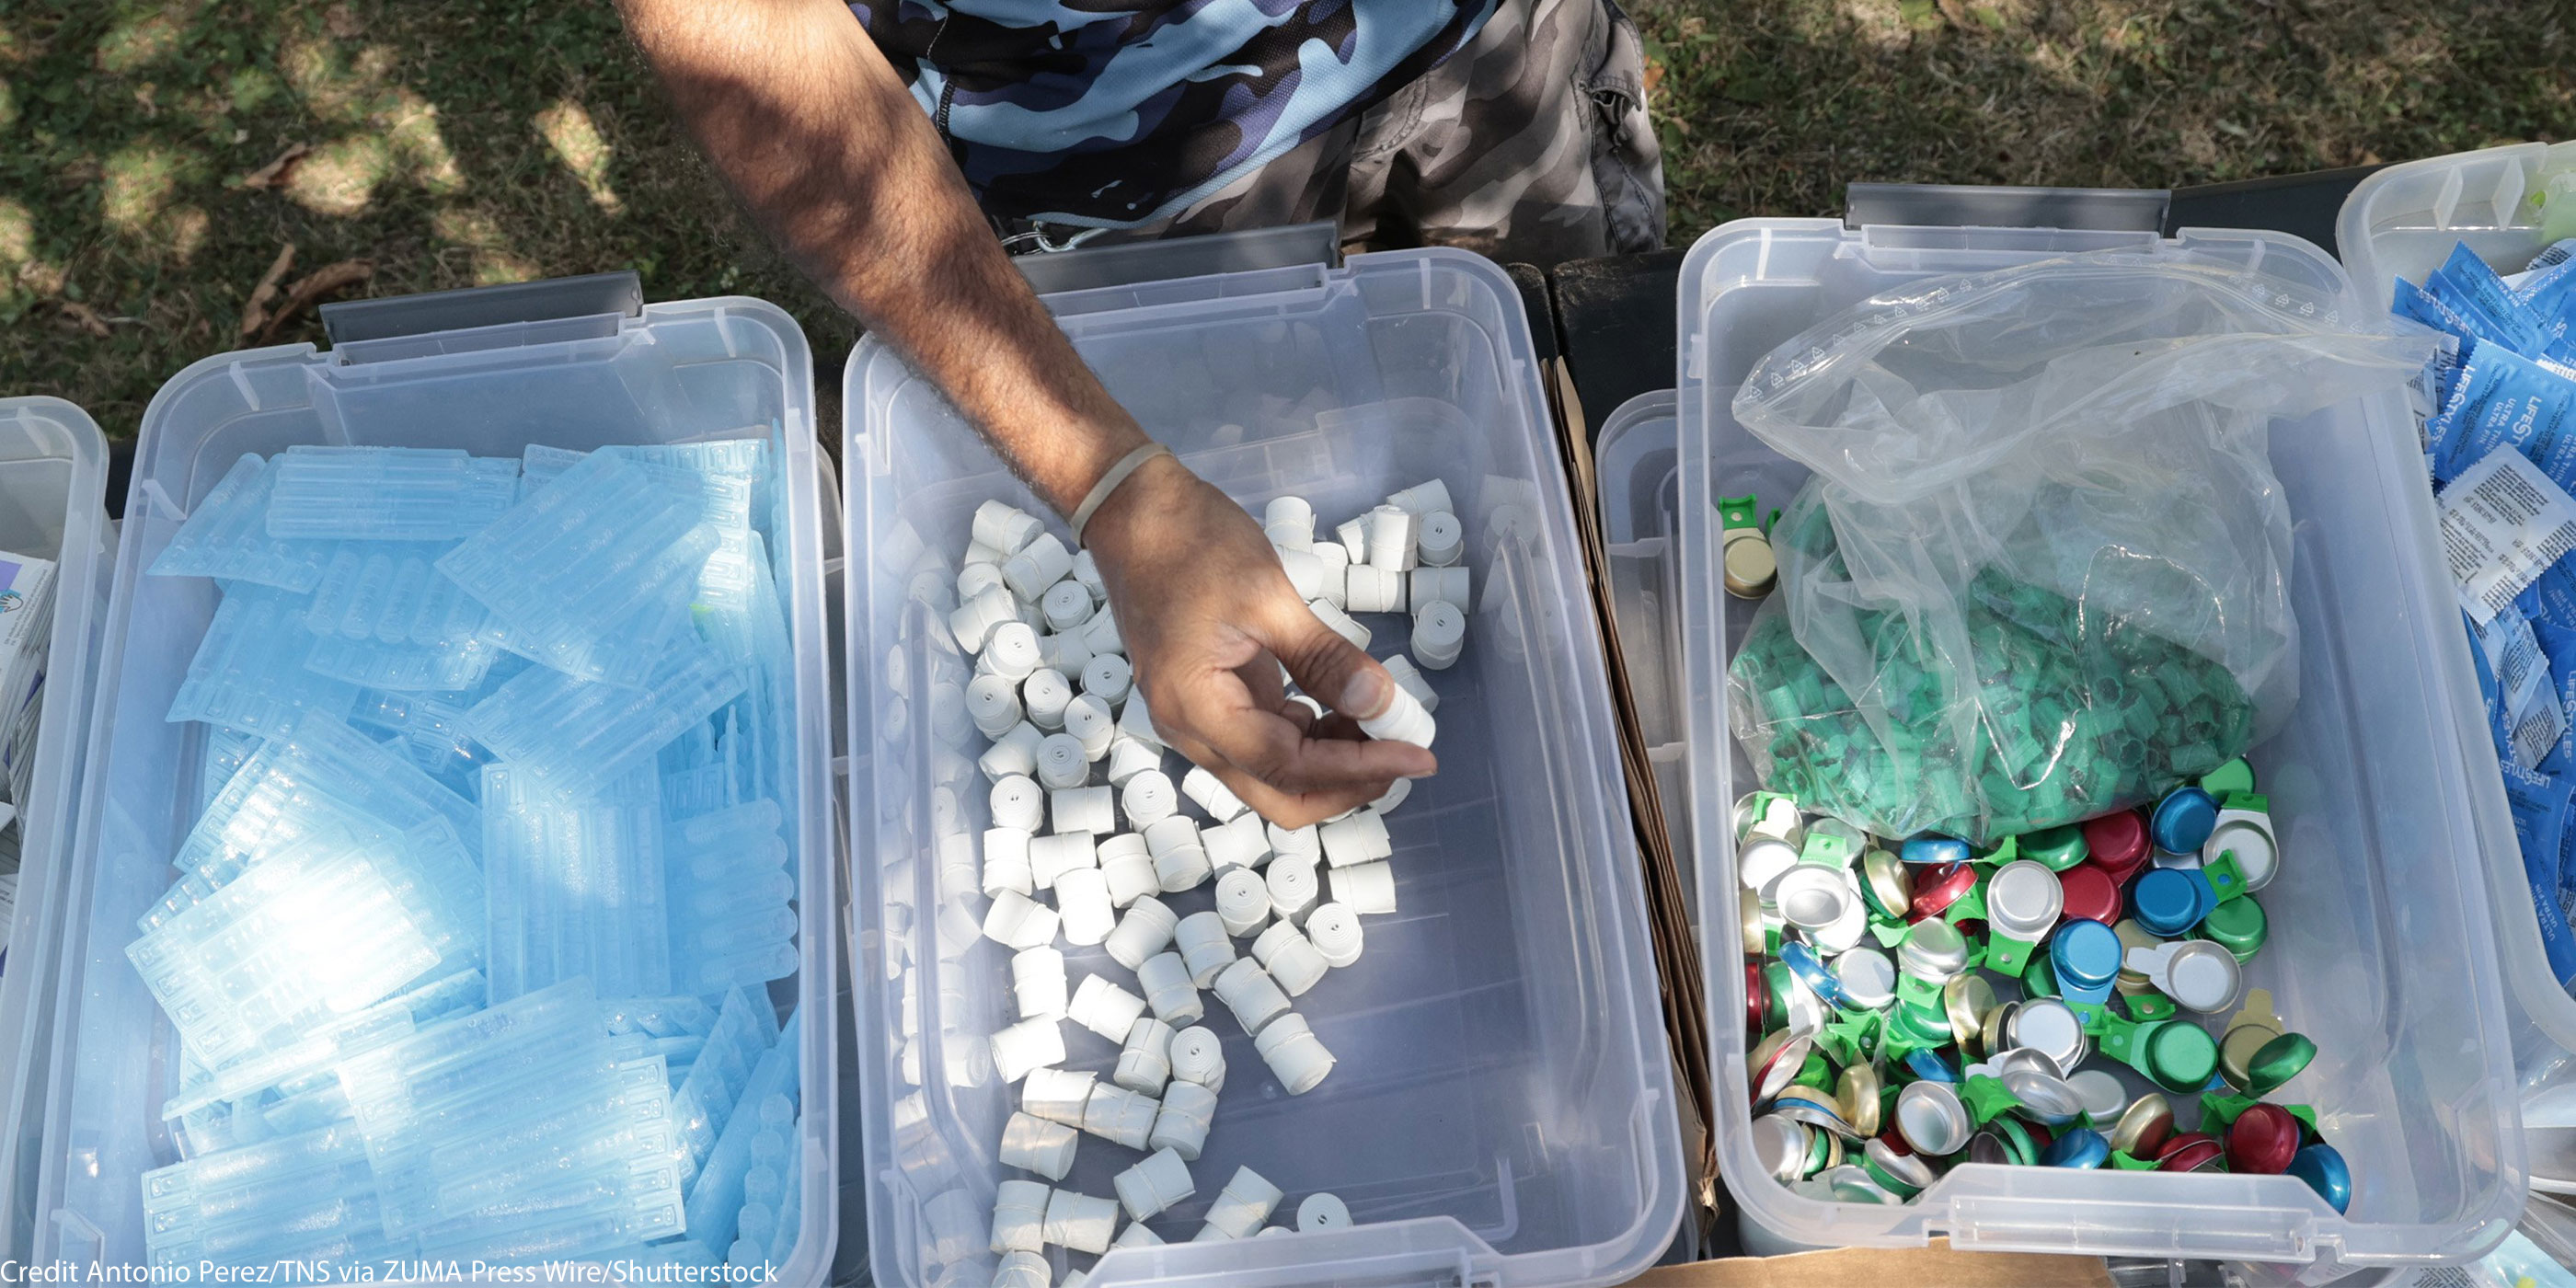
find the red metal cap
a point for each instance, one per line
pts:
(1757, 998)
(2263, 1140)
(2189, 1152)
(2117, 841)
(2091, 893)
(1937, 889)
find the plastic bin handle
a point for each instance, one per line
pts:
(1135, 263)
(550, 300)
(1943, 205)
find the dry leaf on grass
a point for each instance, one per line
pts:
(255, 313)
(311, 287)
(274, 173)
(83, 316)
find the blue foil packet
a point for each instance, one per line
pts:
(2539, 803)
(2503, 399)
(2470, 288)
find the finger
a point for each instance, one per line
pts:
(1287, 809)
(1330, 667)
(1218, 712)
(1262, 679)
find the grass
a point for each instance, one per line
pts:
(457, 142)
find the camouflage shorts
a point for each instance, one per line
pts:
(1530, 145)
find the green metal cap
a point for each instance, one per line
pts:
(2280, 1060)
(2182, 1056)
(2059, 847)
(2239, 925)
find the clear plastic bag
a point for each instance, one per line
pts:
(2042, 568)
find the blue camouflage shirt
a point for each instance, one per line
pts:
(1113, 113)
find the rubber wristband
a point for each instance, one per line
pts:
(1128, 464)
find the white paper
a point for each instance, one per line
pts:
(2503, 523)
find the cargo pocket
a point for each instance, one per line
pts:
(1627, 161)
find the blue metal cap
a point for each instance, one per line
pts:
(2086, 957)
(2184, 820)
(2165, 901)
(1945, 849)
(2079, 1147)
(1931, 1066)
(1810, 970)
(2324, 1171)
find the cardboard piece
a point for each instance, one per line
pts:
(1933, 1266)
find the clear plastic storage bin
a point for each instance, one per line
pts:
(670, 373)
(53, 490)
(2382, 947)
(1503, 1112)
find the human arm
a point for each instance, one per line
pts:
(818, 136)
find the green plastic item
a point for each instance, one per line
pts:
(1987, 1098)
(2229, 779)
(2127, 1162)
(2039, 979)
(1817, 1072)
(2150, 1005)
(1888, 933)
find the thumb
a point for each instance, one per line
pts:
(1329, 667)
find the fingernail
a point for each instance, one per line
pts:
(1366, 695)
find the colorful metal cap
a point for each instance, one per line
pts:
(1867, 979)
(1931, 1118)
(2166, 902)
(1935, 851)
(2192, 1152)
(2280, 1060)
(2144, 1126)
(1968, 999)
(2023, 903)
(1901, 1174)
(1757, 999)
(1775, 1061)
(2082, 1147)
(2089, 893)
(1886, 883)
(2177, 1054)
(2240, 925)
(1810, 970)
(2324, 1171)
(2237, 1050)
(2117, 841)
(2262, 1140)
(2058, 848)
(1748, 909)
(2183, 820)
(1859, 1092)
(1931, 1065)
(2086, 958)
(1770, 814)
(1938, 888)
(2053, 1029)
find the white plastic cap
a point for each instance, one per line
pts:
(1439, 634)
(1006, 862)
(1204, 946)
(1357, 837)
(1082, 897)
(1029, 1044)
(1145, 1060)
(1396, 794)
(1104, 1008)
(1290, 958)
(1102, 633)
(1156, 1184)
(1404, 720)
(1367, 588)
(1305, 571)
(1334, 930)
(1165, 977)
(1391, 538)
(1065, 653)
(1136, 1235)
(1211, 795)
(1171, 832)
(1041, 563)
(1012, 649)
(1019, 1216)
(1129, 757)
(1149, 798)
(1128, 869)
(1353, 535)
(1289, 520)
(1107, 677)
(1441, 540)
(1249, 992)
(1004, 527)
(1055, 854)
(1016, 921)
(1242, 843)
(1182, 868)
(1057, 1095)
(1021, 1268)
(1305, 840)
(1119, 1115)
(1066, 605)
(1294, 888)
(1242, 901)
(1145, 930)
(1335, 561)
(1033, 1144)
(975, 622)
(1136, 721)
(1409, 678)
(1339, 622)
(1441, 586)
(1015, 752)
(1092, 810)
(1294, 1053)
(1079, 1221)
(1199, 1056)
(1242, 1206)
(1061, 762)
(1422, 498)
(994, 703)
(1016, 802)
(1088, 721)
(1322, 1211)
(1038, 983)
(976, 578)
(1189, 1108)
(1369, 888)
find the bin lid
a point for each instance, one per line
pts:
(46, 430)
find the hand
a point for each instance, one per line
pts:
(1208, 615)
